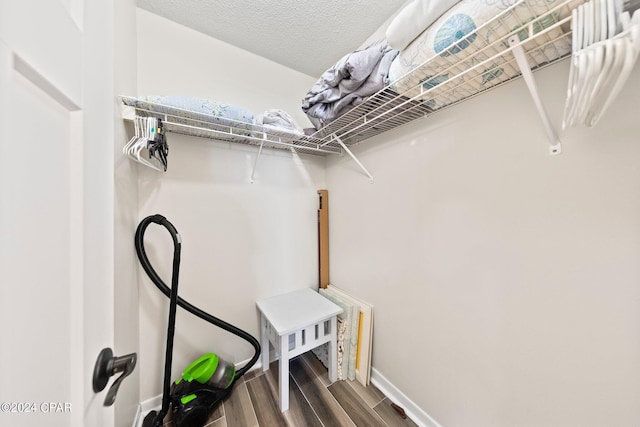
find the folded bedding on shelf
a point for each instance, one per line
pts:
(231, 122)
(463, 37)
(413, 19)
(279, 122)
(349, 82)
(196, 108)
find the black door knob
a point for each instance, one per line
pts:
(106, 366)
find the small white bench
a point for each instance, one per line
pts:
(294, 323)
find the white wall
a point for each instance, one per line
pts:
(175, 60)
(241, 241)
(505, 281)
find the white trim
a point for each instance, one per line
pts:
(150, 404)
(154, 403)
(255, 367)
(137, 420)
(394, 394)
(30, 73)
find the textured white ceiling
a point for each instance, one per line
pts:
(305, 35)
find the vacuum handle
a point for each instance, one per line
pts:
(108, 365)
(160, 220)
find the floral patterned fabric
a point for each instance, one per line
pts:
(232, 123)
(205, 109)
(451, 45)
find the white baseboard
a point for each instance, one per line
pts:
(256, 366)
(394, 394)
(154, 403)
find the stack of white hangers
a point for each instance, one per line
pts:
(148, 145)
(606, 44)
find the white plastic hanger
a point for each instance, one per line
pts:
(600, 86)
(611, 18)
(127, 146)
(594, 55)
(141, 150)
(589, 23)
(605, 47)
(141, 141)
(578, 70)
(138, 123)
(573, 71)
(606, 54)
(603, 18)
(626, 54)
(137, 146)
(590, 61)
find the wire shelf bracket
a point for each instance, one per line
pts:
(555, 147)
(253, 173)
(355, 159)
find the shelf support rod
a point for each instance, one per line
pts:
(253, 173)
(521, 59)
(344, 147)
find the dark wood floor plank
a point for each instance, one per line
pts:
(216, 414)
(265, 402)
(361, 414)
(168, 419)
(252, 374)
(370, 394)
(238, 409)
(300, 412)
(317, 367)
(323, 403)
(221, 422)
(390, 416)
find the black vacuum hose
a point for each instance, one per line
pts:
(155, 419)
(155, 278)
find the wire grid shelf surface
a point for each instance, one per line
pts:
(193, 123)
(485, 62)
(479, 61)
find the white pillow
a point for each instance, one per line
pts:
(414, 19)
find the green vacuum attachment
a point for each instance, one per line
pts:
(200, 389)
(211, 370)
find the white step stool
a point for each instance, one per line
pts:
(295, 323)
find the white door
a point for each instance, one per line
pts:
(52, 329)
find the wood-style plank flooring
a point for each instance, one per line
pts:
(313, 401)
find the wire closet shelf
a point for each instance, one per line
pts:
(486, 62)
(186, 122)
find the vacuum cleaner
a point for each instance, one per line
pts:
(206, 382)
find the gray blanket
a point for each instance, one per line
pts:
(354, 78)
